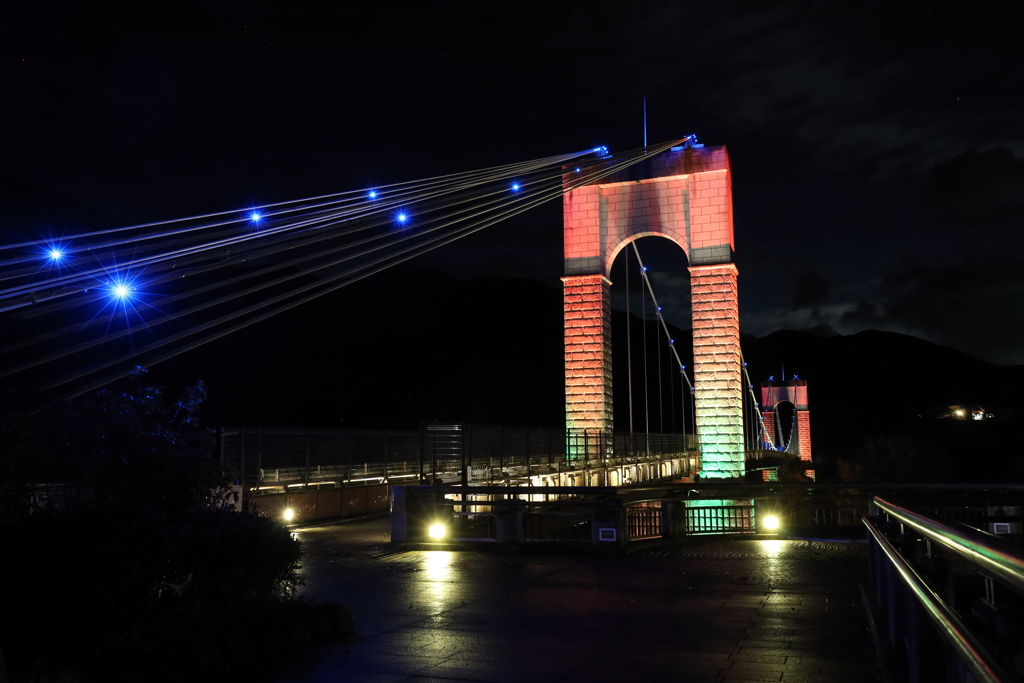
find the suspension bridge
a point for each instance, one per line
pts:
(83, 310)
(80, 311)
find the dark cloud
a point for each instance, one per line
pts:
(859, 198)
(978, 186)
(976, 307)
(810, 290)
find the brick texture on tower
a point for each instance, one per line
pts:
(588, 352)
(717, 369)
(684, 195)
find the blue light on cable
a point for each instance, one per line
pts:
(56, 254)
(644, 269)
(515, 187)
(402, 217)
(577, 170)
(373, 194)
(255, 216)
(659, 309)
(120, 290)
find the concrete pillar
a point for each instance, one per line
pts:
(717, 369)
(588, 352)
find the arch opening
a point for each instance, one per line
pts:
(784, 418)
(644, 368)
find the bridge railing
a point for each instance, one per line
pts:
(668, 511)
(277, 461)
(941, 584)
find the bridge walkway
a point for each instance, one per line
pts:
(712, 610)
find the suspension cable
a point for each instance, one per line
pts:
(479, 219)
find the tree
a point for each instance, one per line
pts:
(115, 449)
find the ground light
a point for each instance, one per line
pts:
(437, 531)
(771, 522)
(288, 514)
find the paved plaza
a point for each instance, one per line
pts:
(710, 610)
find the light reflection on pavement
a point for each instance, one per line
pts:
(712, 609)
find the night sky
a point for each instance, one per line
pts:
(877, 148)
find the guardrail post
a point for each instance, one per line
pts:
(510, 524)
(673, 519)
(399, 521)
(608, 526)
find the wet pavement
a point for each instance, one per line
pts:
(710, 610)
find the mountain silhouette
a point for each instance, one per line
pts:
(415, 345)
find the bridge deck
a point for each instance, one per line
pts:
(714, 610)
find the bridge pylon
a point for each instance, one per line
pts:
(684, 195)
(793, 391)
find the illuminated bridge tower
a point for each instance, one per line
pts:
(684, 195)
(793, 391)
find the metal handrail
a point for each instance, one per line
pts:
(995, 557)
(981, 663)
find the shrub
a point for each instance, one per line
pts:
(142, 549)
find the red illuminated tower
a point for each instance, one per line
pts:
(794, 391)
(684, 195)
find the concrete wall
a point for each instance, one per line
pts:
(310, 505)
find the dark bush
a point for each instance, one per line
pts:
(127, 546)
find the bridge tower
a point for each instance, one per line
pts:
(774, 392)
(684, 195)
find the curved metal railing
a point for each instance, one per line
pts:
(994, 558)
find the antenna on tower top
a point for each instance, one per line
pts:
(645, 125)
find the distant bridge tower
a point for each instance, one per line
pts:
(794, 391)
(684, 195)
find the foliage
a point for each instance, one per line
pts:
(116, 449)
(896, 458)
(792, 468)
(132, 537)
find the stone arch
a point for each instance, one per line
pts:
(634, 233)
